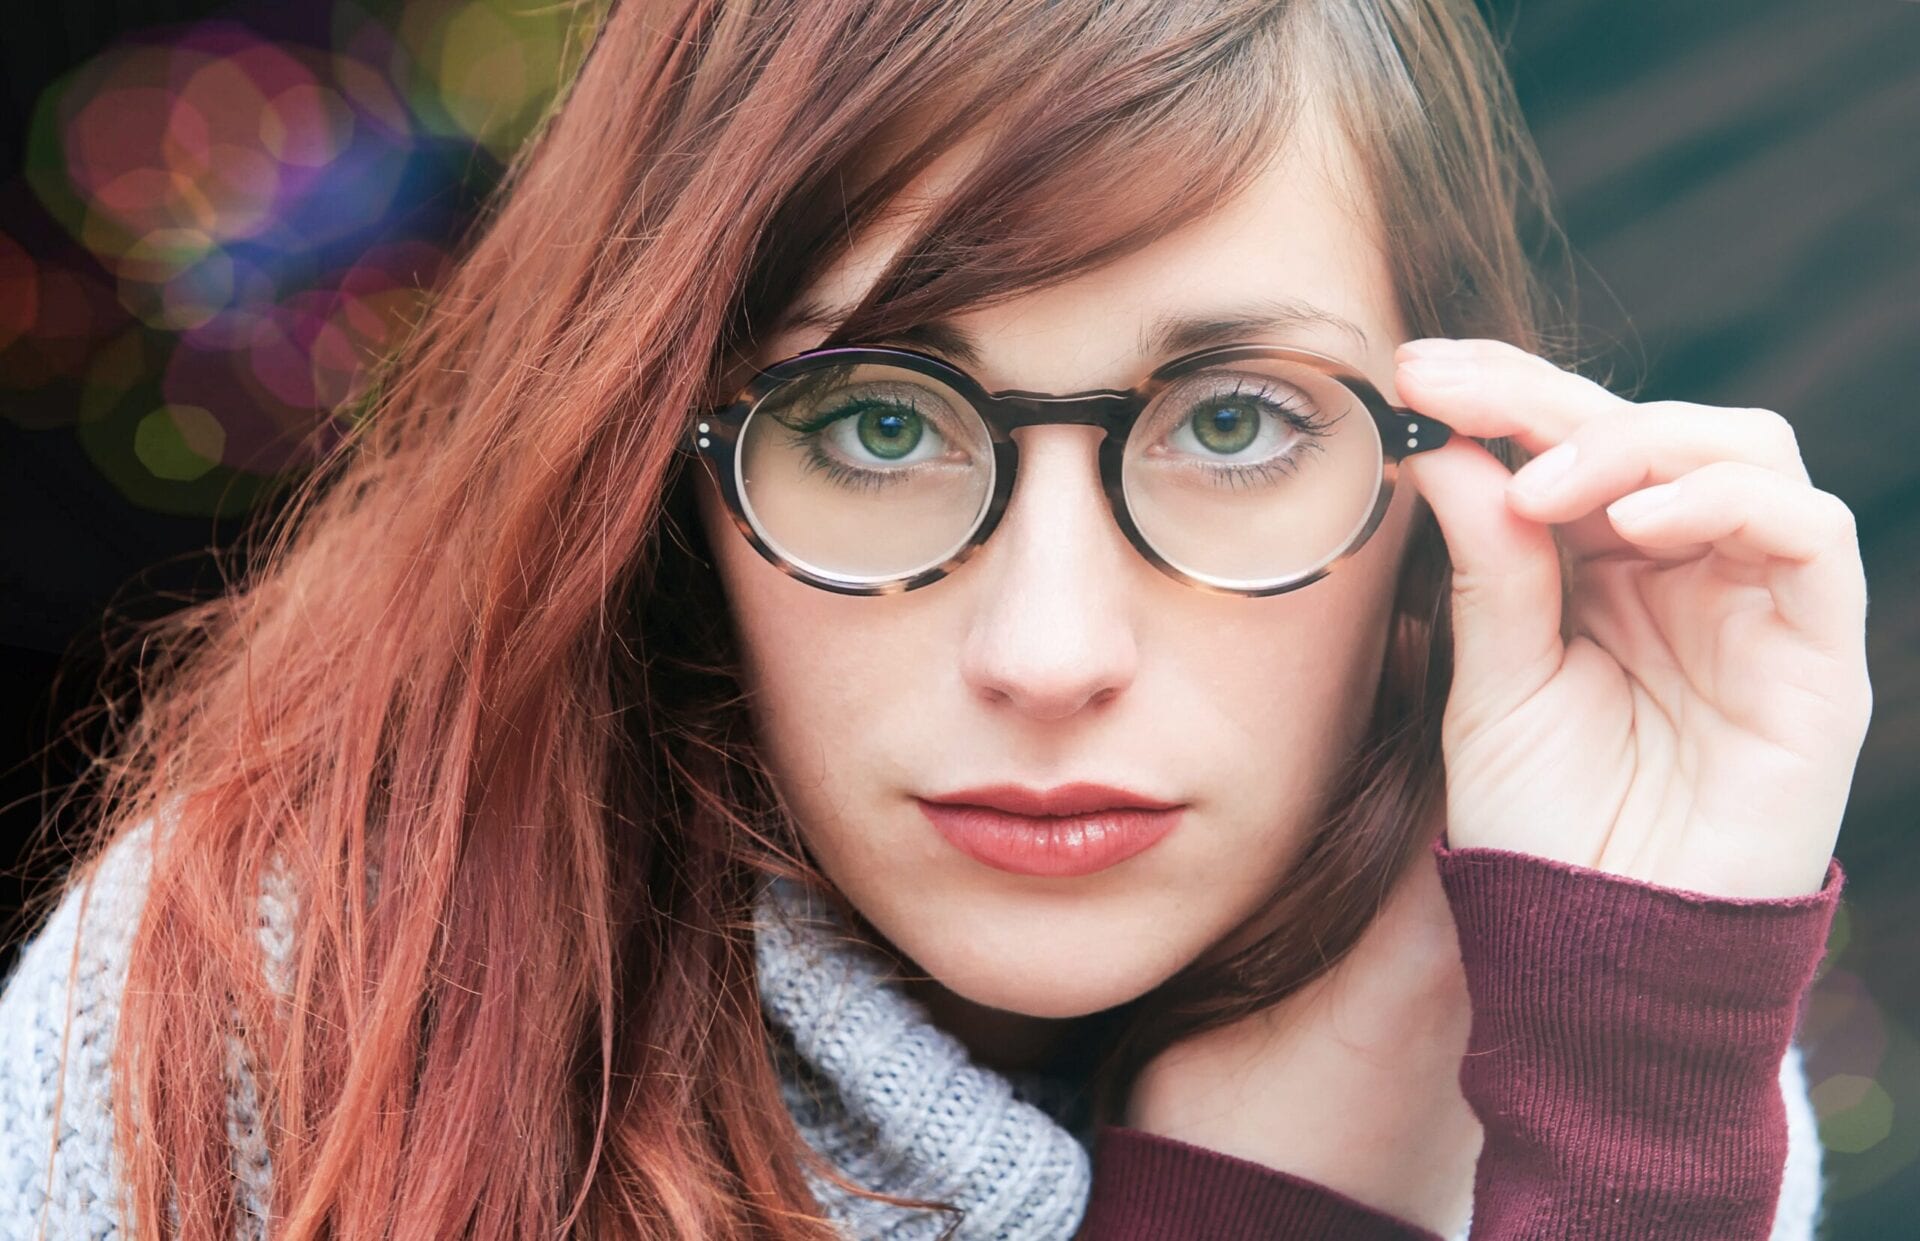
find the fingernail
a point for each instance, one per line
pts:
(1436, 372)
(1642, 503)
(1542, 474)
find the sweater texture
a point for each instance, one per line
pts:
(893, 1100)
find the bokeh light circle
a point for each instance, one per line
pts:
(179, 442)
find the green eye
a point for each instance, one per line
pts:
(1226, 425)
(889, 432)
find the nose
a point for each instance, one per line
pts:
(1053, 630)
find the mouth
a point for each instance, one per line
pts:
(1064, 832)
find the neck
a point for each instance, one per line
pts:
(995, 1038)
(1006, 1042)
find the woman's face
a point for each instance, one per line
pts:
(1057, 654)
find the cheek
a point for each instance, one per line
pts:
(1310, 664)
(1294, 714)
(1292, 709)
(822, 673)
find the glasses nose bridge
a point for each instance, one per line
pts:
(1106, 408)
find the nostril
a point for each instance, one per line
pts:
(1050, 632)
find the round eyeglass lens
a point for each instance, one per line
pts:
(1253, 472)
(865, 471)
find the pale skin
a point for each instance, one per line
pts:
(1699, 731)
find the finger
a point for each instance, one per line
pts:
(1506, 575)
(1756, 515)
(1489, 388)
(1646, 444)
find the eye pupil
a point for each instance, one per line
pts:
(889, 433)
(1226, 427)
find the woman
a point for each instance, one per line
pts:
(1395, 846)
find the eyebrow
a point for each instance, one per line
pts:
(1168, 334)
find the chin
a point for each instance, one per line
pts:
(1054, 987)
(1058, 1004)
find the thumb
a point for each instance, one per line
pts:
(1506, 576)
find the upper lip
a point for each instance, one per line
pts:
(1065, 799)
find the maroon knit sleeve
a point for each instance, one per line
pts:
(1150, 1187)
(1626, 1045)
(1624, 1060)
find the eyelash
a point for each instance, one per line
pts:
(1311, 424)
(850, 475)
(808, 436)
(846, 475)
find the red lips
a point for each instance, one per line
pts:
(1065, 832)
(1066, 799)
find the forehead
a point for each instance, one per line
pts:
(1295, 258)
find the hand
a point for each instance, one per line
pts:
(1700, 726)
(1353, 1081)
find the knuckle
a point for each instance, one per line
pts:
(1618, 433)
(1839, 516)
(1774, 429)
(1726, 479)
(1596, 396)
(1643, 422)
(1605, 400)
(1493, 349)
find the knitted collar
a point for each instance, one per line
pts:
(897, 1103)
(872, 1083)
(891, 1099)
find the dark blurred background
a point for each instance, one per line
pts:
(212, 215)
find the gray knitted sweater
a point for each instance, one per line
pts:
(872, 1083)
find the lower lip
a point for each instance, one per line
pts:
(1054, 847)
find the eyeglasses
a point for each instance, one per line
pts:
(1241, 469)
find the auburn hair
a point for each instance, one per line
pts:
(476, 695)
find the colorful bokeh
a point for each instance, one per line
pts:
(1863, 1066)
(237, 219)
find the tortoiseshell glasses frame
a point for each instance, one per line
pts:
(714, 435)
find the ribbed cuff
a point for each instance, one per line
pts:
(1626, 1046)
(1149, 1187)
